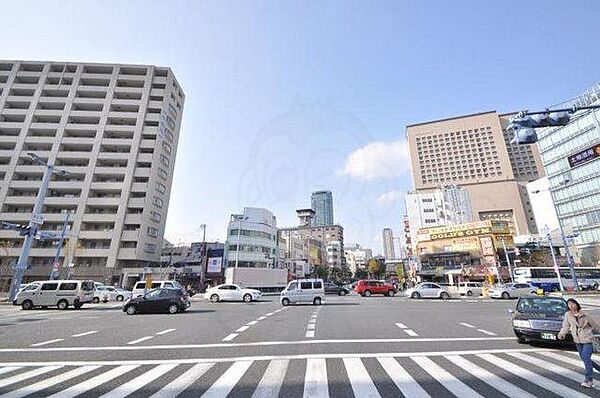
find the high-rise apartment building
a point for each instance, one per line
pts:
(115, 129)
(357, 257)
(388, 244)
(322, 204)
(475, 153)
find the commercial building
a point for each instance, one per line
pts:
(252, 239)
(388, 244)
(335, 254)
(471, 250)
(322, 204)
(300, 253)
(114, 128)
(571, 157)
(475, 153)
(357, 257)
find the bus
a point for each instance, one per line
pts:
(546, 278)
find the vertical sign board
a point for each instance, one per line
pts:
(214, 265)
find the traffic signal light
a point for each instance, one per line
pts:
(524, 125)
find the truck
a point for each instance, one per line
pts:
(263, 279)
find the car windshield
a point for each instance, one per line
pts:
(153, 293)
(542, 305)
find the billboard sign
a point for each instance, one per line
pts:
(584, 156)
(214, 265)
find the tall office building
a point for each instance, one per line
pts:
(115, 129)
(475, 153)
(322, 204)
(388, 244)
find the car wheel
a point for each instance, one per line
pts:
(469, 293)
(27, 305)
(505, 295)
(415, 295)
(173, 309)
(444, 296)
(130, 310)
(390, 293)
(63, 305)
(78, 306)
(247, 298)
(343, 293)
(367, 293)
(285, 302)
(521, 340)
(214, 298)
(120, 298)
(317, 301)
(96, 300)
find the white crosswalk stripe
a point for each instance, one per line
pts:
(460, 374)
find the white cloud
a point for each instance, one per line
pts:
(378, 160)
(390, 197)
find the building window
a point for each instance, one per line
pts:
(164, 160)
(158, 202)
(166, 147)
(149, 247)
(162, 173)
(160, 187)
(152, 232)
(155, 216)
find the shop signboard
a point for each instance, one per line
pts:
(584, 156)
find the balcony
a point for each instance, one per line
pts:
(96, 217)
(142, 172)
(92, 252)
(127, 254)
(103, 201)
(122, 142)
(130, 236)
(101, 234)
(126, 101)
(106, 186)
(39, 140)
(62, 200)
(139, 187)
(133, 219)
(137, 202)
(145, 157)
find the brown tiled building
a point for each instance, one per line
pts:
(474, 152)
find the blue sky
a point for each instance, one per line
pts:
(286, 97)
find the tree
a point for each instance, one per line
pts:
(360, 273)
(321, 271)
(400, 272)
(374, 267)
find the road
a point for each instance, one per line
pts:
(350, 346)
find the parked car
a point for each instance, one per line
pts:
(303, 291)
(231, 292)
(512, 290)
(470, 288)
(428, 290)
(100, 293)
(332, 288)
(368, 287)
(539, 319)
(59, 293)
(140, 287)
(161, 300)
(117, 294)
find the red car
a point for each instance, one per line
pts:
(368, 287)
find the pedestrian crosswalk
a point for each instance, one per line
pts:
(499, 373)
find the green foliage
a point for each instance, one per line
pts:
(321, 271)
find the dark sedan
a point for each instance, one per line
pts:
(162, 300)
(539, 319)
(332, 288)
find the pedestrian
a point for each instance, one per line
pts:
(582, 327)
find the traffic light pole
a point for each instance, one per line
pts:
(34, 223)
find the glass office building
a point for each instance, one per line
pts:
(322, 204)
(571, 158)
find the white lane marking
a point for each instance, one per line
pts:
(230, 337)
(252, 323)
(556, 356)
(260, 343)
(260, 318)
(487, 332)
(310, 334)
(401, 325)
(312, 321)
(165, 331)
(178, 385)
(87, 385)
(488, 377)
(453, 385)
(532, 377)
(46, 383)
(27, 375)
(361, 382)
(467, 325)
(403, 380)
(223, 386)
(8, 369)
(46, 342)
(141, 381)
(243, 329)
(315, 379)
(310, 326)
(85, 333)
(410, 332)
(269, 314)
(140, 340)
(272, 380)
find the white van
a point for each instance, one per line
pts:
(140, 287)
(59, 293)
(470, 288)
(303, 291)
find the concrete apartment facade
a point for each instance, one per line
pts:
(252, 239)
(474, 152)
(115, 129)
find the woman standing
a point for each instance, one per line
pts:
(582, 327)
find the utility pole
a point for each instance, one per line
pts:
(55, 272)
(556, 269)
(510, 268)
(34, 224)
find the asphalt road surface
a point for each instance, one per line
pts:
(350, 346)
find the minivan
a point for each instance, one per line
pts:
(470, 288)
(140, 287)
(59, 293)
(303, 291)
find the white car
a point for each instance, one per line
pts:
(230, 292)
(117, 294)
(428, 290)
(512, 290)
(100, 293)
(470, 288)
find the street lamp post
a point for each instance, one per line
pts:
(556, 269)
